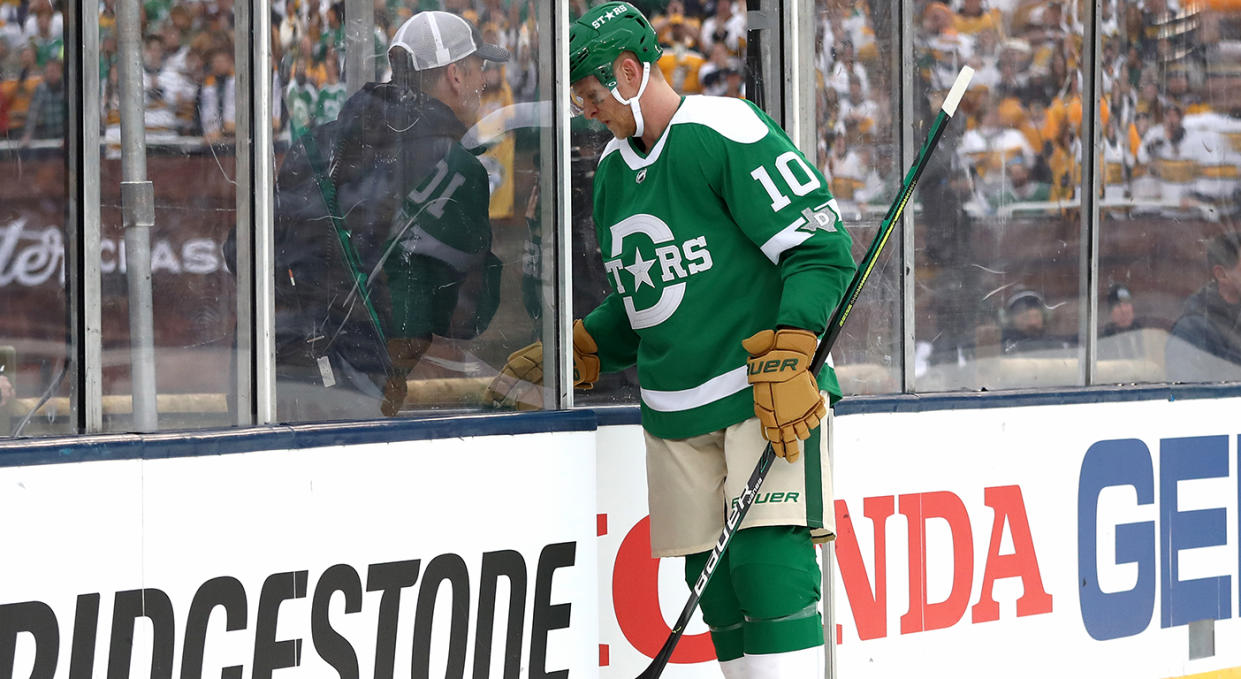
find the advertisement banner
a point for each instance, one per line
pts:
(1075, 540)
(453, 557)
(640, 597)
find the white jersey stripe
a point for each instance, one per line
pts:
(710, 391)
(788, 238)
(416, 241)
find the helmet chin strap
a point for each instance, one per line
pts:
(632, 102)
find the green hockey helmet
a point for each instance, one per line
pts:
(599, 36)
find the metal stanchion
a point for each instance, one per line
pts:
(138, 215)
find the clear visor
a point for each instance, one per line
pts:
(595, 95)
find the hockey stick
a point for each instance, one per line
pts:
(327, 189)
(738, 512)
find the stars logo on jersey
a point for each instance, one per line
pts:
(641, 176)
(822, 217)
(666, 273)
(641, 271)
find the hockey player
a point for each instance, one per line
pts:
(413, 201)
(442, 275)
(725, 253)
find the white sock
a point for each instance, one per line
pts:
(735, 668)
(804, 664)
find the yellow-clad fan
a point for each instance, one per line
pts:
(973, 18)
(680, 62)
(672, 16)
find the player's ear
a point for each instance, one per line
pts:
(630, 69)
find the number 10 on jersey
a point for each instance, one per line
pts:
(784, 164)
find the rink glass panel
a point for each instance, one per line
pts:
(189, 112)
(998, 260)
(37, 369)
(589, 285)
(1168, 180)
(856, 147)
(331, 355)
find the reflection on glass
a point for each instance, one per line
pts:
(407, 215)
(1205, 345)
(997, 225)
(1169, 296)
(35, 363)
(590, 284)
(857, 154)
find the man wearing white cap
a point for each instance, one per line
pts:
(441, 236)
(413, 202)
(444, 53)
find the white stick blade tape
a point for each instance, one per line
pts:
(958, 90)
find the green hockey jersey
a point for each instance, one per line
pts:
(721, 230)
(330, 98)
(300, 100)
(442, 275)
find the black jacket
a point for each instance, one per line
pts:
(1206, 338)
(385, 141)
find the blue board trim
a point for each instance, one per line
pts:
(613, 416)
(916, 403)
(294, 437)
(291, 437)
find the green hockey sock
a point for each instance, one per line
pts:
(720, 609)
(777, 582)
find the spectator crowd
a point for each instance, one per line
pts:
(1171, 130)
(188, 59)
(1169, 111)
(1164, 139)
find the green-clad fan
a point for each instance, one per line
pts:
(300, 97)
(332, 93)
(726, 254)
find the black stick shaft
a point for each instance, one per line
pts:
(886, 227)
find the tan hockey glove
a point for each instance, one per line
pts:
(786, 396)
(403, 353)
(519, 384)
(585, 357)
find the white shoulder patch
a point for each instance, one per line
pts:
(731, 117)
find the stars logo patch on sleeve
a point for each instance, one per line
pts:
(822, 217)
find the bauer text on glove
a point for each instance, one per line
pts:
(787, 401)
